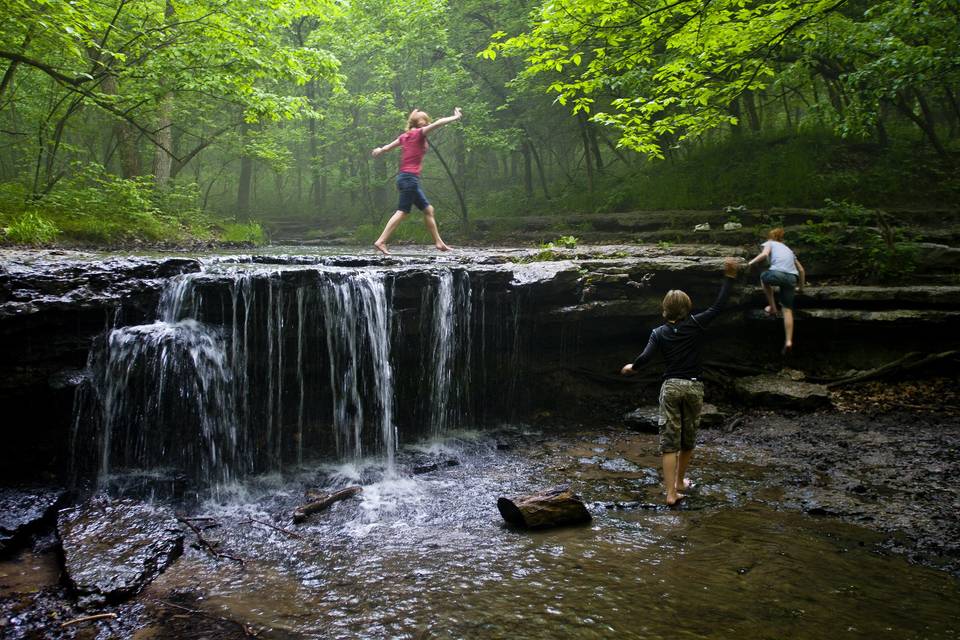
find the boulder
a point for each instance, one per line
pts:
(114, 548)
(648, 418)
(24, 512)
(782, 392)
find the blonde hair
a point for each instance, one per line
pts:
(417, 119)
(676, 305)
(776, 234)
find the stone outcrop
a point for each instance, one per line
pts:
(782, 392)
(114, 548)
(25, 511)
(549, 332)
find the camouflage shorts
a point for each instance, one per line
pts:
(680, 404)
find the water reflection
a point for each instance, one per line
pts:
(428, 556)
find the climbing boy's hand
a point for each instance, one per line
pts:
(627, 370)
(731, 267)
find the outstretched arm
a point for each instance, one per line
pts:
(763, 255)
(803, 274)
(643, 358)
(439, 122)
(730, 269)
(386, 147)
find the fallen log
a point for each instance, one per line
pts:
(552, 508)
(321, 501)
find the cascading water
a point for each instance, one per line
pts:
(358, 345)
(447, 361)
(252, 370)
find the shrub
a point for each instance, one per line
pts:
(242, 233)
(873, 248)
(33, 229)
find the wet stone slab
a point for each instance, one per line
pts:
(113, 548)
(24, 511)
(782, 392)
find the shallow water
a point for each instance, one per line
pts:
(429, 556)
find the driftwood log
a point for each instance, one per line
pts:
(321, 501)
(552, 508)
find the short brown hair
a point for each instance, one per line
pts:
(676, 305)
(416, 117)
(776, 234)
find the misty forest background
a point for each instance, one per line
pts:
(175, 121)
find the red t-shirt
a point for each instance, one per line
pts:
(413, 146)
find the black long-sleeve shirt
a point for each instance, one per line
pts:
(681, 343)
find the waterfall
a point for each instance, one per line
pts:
(252, 370)
(449, 310)
(166, 395)
(358, 344)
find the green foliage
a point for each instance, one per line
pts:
(31, 229)
(566, 242)
(678, 69)
(95, 207)
(411, 231)
(242, 233)
(865, 241)
(549, 251)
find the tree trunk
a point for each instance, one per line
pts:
(125, 135)
(581, 119)
(163, 154)
(594, 145)
(527, 168)
(734, 108)
(456, 187)
(924, 122)
(955, 106)
(246, 176)
(540, 171)
(315, 187)
(752, 116)
(552, 508)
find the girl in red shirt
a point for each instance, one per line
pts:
(413, 145)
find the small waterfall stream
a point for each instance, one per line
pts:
(252, 370)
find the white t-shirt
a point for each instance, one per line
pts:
(781, 257)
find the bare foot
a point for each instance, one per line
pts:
(676, 500)
(442, 246)
(382, 248)
(686, 484)
(787, 349)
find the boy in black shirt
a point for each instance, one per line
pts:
(680, 340)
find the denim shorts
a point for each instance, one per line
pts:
(787, 283)
(408, 184)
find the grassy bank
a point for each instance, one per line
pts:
(99, 210)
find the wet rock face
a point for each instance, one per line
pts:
(25, 511)
(113, 548)
(782, 392)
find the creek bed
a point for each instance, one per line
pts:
(427, 556)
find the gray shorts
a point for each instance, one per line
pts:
(680, 405)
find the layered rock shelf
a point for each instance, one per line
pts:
(536, 335)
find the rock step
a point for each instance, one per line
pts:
(114, 548)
